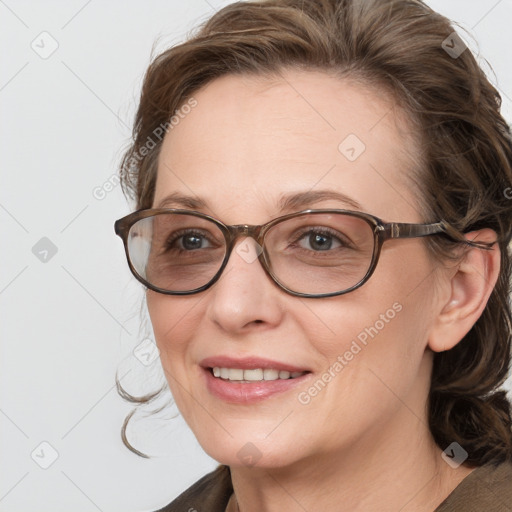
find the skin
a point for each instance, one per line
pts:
(363, 441)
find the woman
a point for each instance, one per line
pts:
(347, 355)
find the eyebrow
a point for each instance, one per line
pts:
(292, 201)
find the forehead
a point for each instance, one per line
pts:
(249, 141)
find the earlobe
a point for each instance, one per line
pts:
(470, 287)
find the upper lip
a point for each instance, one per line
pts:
(248, 363)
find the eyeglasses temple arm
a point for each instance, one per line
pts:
(405, 230)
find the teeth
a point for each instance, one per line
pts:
(254, 375)
(269, 374)
(235, 374)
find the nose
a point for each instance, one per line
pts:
(245, 295)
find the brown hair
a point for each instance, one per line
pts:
(464, 176)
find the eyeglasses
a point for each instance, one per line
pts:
(311, 253)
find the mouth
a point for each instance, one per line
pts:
(253, 374)
(251, 379)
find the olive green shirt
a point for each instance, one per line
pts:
(486, 489)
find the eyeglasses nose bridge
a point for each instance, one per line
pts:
(241, 230)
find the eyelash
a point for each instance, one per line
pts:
(323, 231)
(181, 234)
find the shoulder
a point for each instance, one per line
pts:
(211, 493)
(487, 488)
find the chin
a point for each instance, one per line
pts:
(249, 450)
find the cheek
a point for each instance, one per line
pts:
(371, 365)
(173, 325)
(170, 315)
(376, 336)
(359, 332)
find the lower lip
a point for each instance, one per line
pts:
(249, 392)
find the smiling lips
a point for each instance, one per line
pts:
(249, 379)
(254, 375)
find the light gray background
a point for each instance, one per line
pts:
(70, 322)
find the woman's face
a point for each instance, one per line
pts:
(248, 143)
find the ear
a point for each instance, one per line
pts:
(468, 287)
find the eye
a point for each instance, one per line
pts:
(321, 239)
(187, 240)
